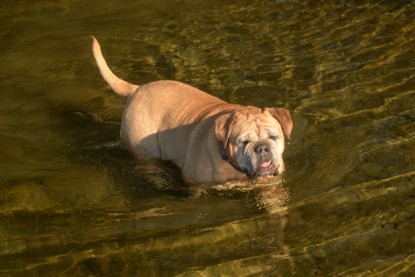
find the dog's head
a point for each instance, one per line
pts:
(252, 140)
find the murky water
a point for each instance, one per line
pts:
(74, 202)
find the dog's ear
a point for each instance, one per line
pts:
(284, 118)
(223, 127)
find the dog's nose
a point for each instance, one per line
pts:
(262, 149)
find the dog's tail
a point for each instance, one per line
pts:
(121, 87)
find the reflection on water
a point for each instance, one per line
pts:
(74, 202)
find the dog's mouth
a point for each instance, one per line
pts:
(265, 168)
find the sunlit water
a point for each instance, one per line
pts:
(74, 202)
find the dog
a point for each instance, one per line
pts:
(210, 140)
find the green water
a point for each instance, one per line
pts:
(74, 202)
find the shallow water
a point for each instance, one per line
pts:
(74, 202)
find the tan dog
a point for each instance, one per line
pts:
(210, 140)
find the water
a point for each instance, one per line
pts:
(74, 202)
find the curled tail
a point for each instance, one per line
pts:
(120, 87)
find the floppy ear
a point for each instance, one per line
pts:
(223, 126)
(284, 118)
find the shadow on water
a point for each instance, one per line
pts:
(142, 174)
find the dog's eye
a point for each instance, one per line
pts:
(273, 137)
(245, 142)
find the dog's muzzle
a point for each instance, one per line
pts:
(265, 165)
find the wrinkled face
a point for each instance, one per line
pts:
(254, 142)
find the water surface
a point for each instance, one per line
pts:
(74, 202)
